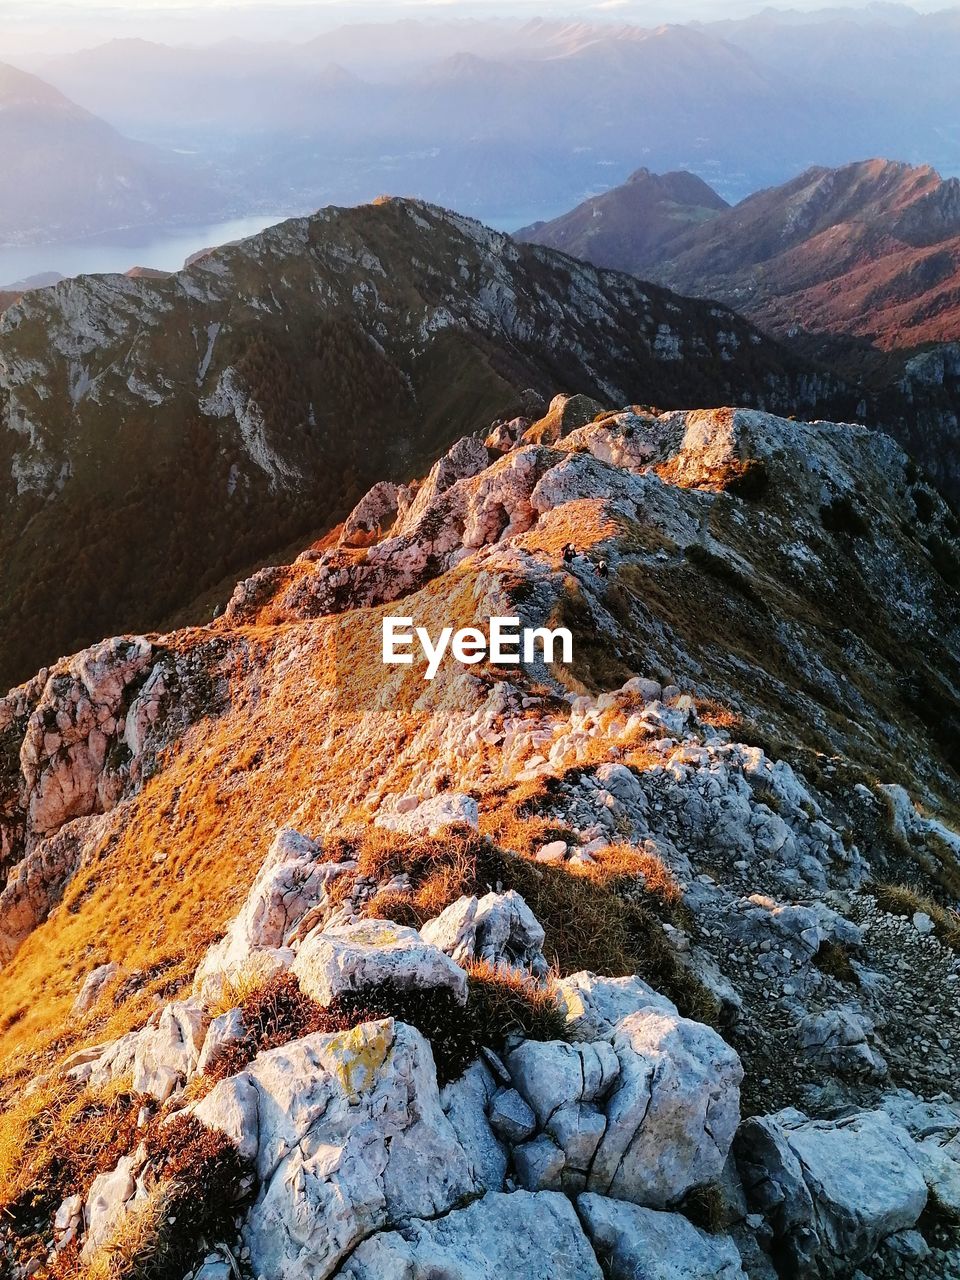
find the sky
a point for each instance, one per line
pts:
(36, 28)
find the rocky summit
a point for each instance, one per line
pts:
(647, 964)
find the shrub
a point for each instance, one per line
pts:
(202, 1181)
(902, 900)
(500, 1003)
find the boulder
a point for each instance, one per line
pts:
(353, 957)
(631, 1242)
(498, 928)
(551, 1074)
(293, 880)
(595, 1006)
(223, 1031)
(372, 517)
(840, 1040)
(166, 1055)
(348, 1137)
(92, 988)
(501, 1237)
(510, 1117)
(465, 1103)
(831, 1190)
(672, 1114)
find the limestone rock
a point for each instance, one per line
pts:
(431, 816)
(510, 1117)
(466, 1103)
(293, 880)
(551, 1074)
(347, 1135)
(166, 1056)
(501, 1237)
(632, 1241)
(92, 988)
(840, 1039)
(673, 1112)
(830, 1190)
(498, 928)
(594, 1006)
(356, 956)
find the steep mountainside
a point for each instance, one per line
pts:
(870, 251)
(68, 174)
(633, 226)
(156, 434)
(311, 967)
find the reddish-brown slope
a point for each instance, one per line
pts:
(871, 250)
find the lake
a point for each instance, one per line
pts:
(165, 250)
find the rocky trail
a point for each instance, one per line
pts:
(646, 964)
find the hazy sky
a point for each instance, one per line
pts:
(36, 27)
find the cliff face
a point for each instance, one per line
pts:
(313, 966)
(193, 426)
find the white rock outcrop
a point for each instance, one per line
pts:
(633, 1242)
(501, 1237)
(498, 928)
(831, 1190)
(363, 955)
(348, 1136)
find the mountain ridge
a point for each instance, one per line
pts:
(336, 350)
(695, 885)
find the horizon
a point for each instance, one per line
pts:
(44, 28)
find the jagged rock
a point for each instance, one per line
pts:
(632, 1242)
(166, 1056)
(564, 415)
(92, 988)
(830, 1190)
(520, 1236)
(223, 1031)
(510, 1117)
(372, 516)
(66, 1221)
(354, 957)
(498, 928)
(293, 880)
(594, 1006)
(672, 1114)
(36, 883)
(551, 1074)
(465, 1103)
(107, 1201)
(347, 1135)
(64, 756)
(430, 817)
(840, 1039)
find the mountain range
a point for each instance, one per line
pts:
(195, 424)
(69, 174)
(858, 267)
(507, 121)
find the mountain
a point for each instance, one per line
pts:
(491, 118)
(196, 424)
(68, 174)
(633, 226)
(871, 251)
(311, 966)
